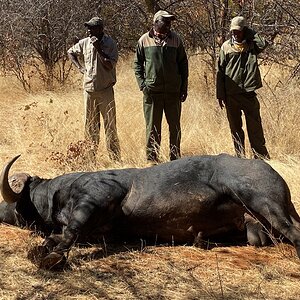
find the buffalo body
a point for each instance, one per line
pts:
(186, 200)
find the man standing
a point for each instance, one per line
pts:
(161, 70)
(100, 56)
(238, 77)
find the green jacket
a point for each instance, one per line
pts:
(238, 72)
(161, 69)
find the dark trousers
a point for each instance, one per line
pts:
(249, 104)
(154, 107)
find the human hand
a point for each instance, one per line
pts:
(95, 41)
(183, 96)
(222, 103)
(82, 70)
(249, 33)
(145, 89)
(97, 44)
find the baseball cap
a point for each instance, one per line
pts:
(95, 21)
(164, 14)
(238, 23)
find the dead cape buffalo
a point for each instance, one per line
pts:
(183, 200)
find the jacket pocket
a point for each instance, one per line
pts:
(151, 83)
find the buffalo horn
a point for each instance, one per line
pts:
(7, 193)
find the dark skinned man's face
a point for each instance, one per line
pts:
(95, 31)
(162, 28)
(238, 35)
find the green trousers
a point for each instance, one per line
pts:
(249, 104)
(155, 104)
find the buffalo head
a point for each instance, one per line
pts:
(12, 187)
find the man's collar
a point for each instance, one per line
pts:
(152, 35)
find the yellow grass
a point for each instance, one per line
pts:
(47, 129)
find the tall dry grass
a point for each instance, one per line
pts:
(36, 125)
(47, 129)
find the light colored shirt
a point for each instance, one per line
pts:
(97, 77)
(240, 47)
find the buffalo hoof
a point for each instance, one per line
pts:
(53, 261)
(256, 234)
(199, 242)
(36, 254)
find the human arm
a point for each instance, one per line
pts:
(73, 54)
(183, 70)
(74, 59)
(109, 57)
(260, 44)
(220, 81)
(139, 66)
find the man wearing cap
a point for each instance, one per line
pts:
(238, 77)
(100, 56)
(161, 70)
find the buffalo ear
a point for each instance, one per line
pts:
(17, 182)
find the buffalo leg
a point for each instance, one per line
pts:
(79, 217)
(43, 255)
(199, 241)
(256, 233)
(280, 219)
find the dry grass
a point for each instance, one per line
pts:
(150, 273)
(47, 129)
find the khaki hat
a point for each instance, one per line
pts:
(238, 23)
(164, 14)
(95, 21)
